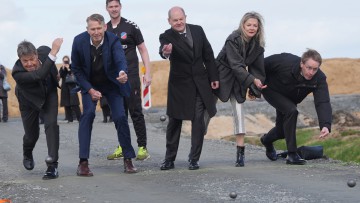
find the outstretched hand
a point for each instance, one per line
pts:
(95, 95)
(259, 84)
(215, 85)
(324, 132)
(122, 77)
(166, 50)
(56, 46)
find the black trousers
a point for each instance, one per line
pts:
(30, 119)
(173, 132)
(286, 119)
(69, 112)
(133, 106)
(5, 109)
(106, 112)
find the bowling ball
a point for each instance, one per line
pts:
(351, 183)
(162, 118)
(49, 159)
(233, 195)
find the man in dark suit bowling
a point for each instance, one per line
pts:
(192, 77)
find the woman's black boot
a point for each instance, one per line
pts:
(240, 156)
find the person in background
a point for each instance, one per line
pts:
(69, 100)
(105, 110)
(3, 95)
(36, 78)
(131, 38)
(241, 67)
(193, 76)
(99, 64)
(290, 79)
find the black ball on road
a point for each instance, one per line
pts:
(233, 195)
(162, 118)
(351, 183)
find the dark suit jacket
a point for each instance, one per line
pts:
(30, 87)
(191, 70)
(113, 60)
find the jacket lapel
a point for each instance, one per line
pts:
(105, 52)
(183, 47)
(87, 56)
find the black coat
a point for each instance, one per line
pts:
(3, 93)
(191, 70)
(31, 87)
(232, 62)
(283, 76)
(67, 97)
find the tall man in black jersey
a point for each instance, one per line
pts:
(131, 37)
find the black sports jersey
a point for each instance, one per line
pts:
(130, 36)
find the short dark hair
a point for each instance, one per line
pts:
(26, 48)
(108, 1)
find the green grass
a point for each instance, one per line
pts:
(349, 132)
(345, 147)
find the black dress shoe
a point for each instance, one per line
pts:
(270, 150)
(28, 162)
(51, 173)
(294, 159)
(167, 165)
(194, 165)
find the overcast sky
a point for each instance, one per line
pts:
(331, 27)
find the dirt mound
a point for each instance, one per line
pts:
(341, 73)
(345, 119)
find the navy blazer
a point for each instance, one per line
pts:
(113, 58)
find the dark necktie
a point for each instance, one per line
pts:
(183, 37)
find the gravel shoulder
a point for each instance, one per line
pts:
(260, 180)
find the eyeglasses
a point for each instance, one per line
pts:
(311, 68)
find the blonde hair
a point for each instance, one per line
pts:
(260, 35)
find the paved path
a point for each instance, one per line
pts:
(259, 181)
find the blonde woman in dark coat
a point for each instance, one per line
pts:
(241, 67)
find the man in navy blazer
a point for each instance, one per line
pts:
(99, 64)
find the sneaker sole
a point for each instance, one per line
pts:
(137, 159)
(49, 177)
(295, 163)
(117, 158)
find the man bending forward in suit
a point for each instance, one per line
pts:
(100, 68)
(189, 90)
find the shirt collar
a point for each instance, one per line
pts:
(183, 32)
(102, 41)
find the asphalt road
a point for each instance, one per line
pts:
(259, 181)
